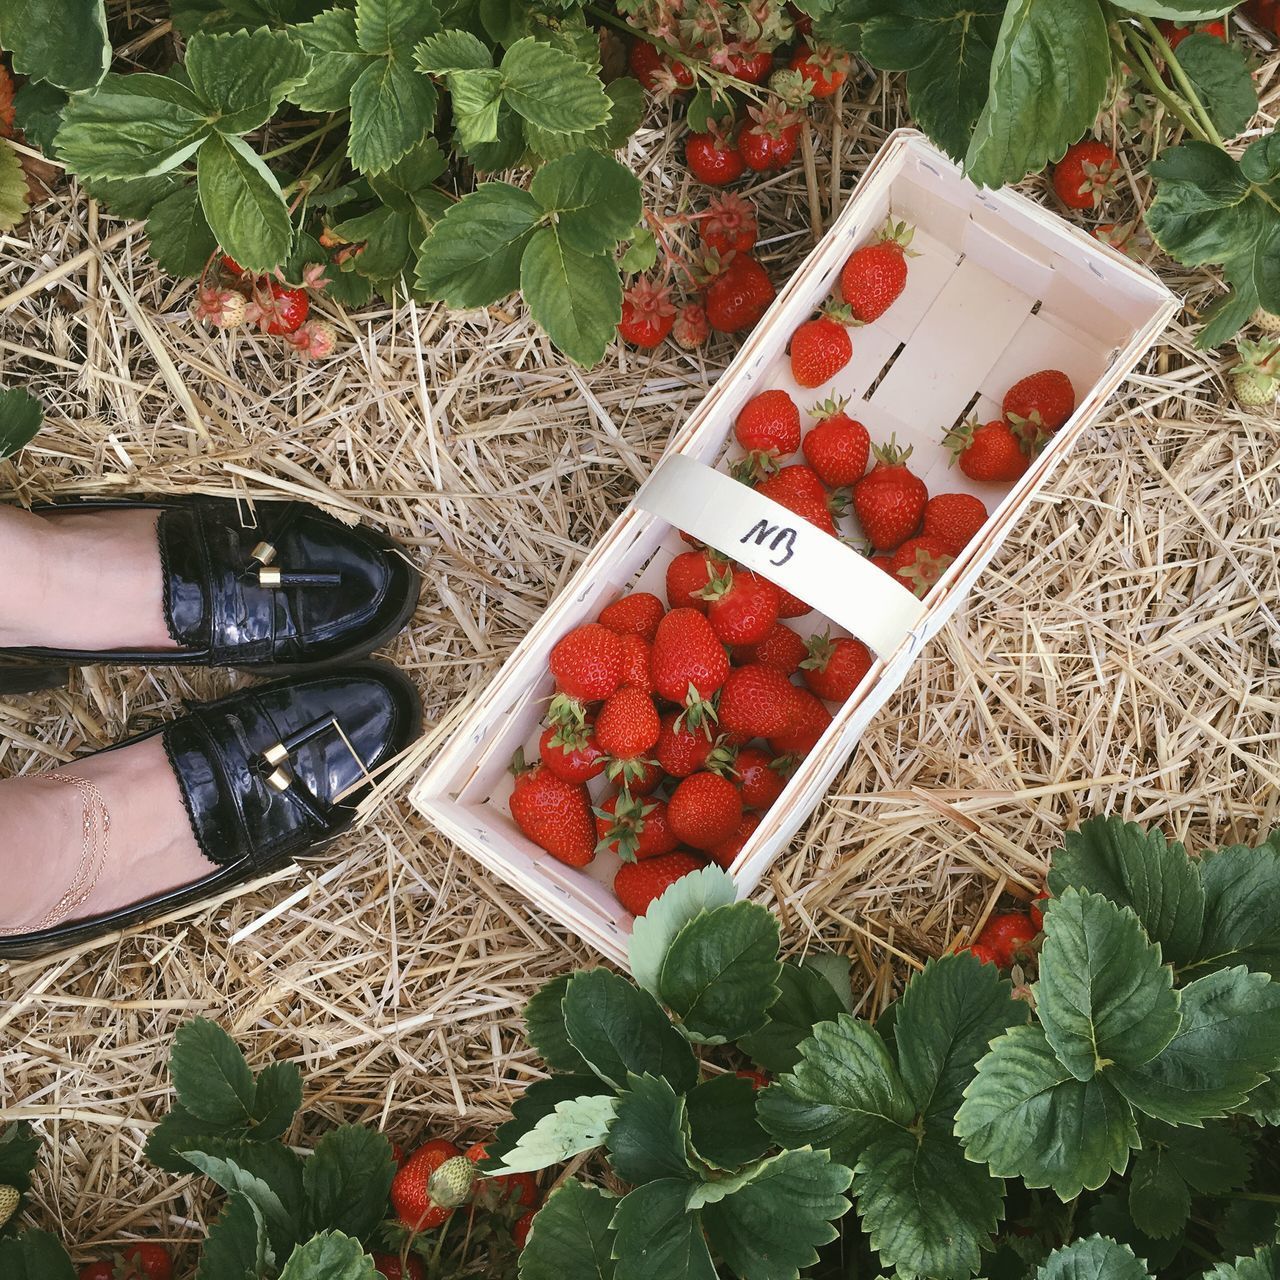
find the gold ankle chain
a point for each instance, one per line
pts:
(96, 839)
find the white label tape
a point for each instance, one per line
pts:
(777, 544)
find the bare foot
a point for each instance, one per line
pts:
(51, 838)
(82, 580)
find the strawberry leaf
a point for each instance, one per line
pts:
(330, 1256)
(1220, 76)
(450, 51)
(1104, 996)
(1040, 102)
(1137, 869)
(65, 43)
(649, 1133)
(1182, 11)
(236, 1245)
(657, 1238)
(35, 1255)
(14, 195)
(540, 1099)
(544, 1024)
(477, 102)
(1159, 1199)
(552, 89)
(19, 1151)
(347, 1180)
(571, 1236)
(244, 77)
(277, 1095)
(1264, 1101)
(689, 897)
(336, 61)
(575, 297)
(1228, 1042)
(574, 1126)
(720, 975)
(243, 204)
(1175, 1161)
(723, 1128)
(38, 106)
(212, 1079)
(1096, 1258)
(806, 998)
(594, 199)
(181, 239)
(1028, 1117)
(1264, 1265)
(20, 419)
(1242, 910)
(135, 197)
(282, 1226)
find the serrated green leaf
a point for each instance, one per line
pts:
(449, 51)
(131, 127)
(705, 108)
(21, 416)
(538, 1100)
(771, 1224)
(243, 204)
(657, 1238)
(1104, 996)
(244, 77)
(14, 196)
(1138, 869)
(575, 297)
(723, 1127)
(506, 20)
(504, 152)
(477, 103)
(1158, 1196)
(1027, 1116)
(842, 1094)
(236, 1247)
(1264, 1265)
(392, 106)
(806, 999)
(277, 1095)
(1096, 1258)
(1264, 1101)
(620, 1030)
(720, 975)
(38, 108)
(1109, 1215)
(575, 1126)
(409, 177)
(65, 43)
(282, 1226)
(626, 111)
(571, 1236)
(1242, 912)
(595, 200)
(1220, 77)
(181, 1131)
(271, 1163)
(472, 256)
(35, 1255)
(384, 233)
(1182, 11)
(1040, 102)
(134, 197)
(552, 89)
(947, 1018)
(945, 46)
(1211, 1160)
(210, 1075)
(927, 1210)
(331, 1256)
(180, 235)
(649, 1132)
(1228, 1042)
(544, 1024)
(19, 1151)
(837, 969)
(394, 28)
(654, 932)
(347, 1180)
(336, 61)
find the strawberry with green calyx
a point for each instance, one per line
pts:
(691, 328)
(954, 518)
(414, 1189)
(571, 752)
(836, 666)
(636, 613)
(990, 453)
(683, 749)
(768, 428)
(1038, 405)
(876, 274)
(767, 142)
(647, 313)
(756, 701)
(1008, 938)
(1255, 378)
(704, 810)
(821, 347)
(728, 225)
(837, 447)
(746, 62)
(713, 157)
(1085, 177)
(587, 663)
(688, 574)
(553, 813)
(741, 606)
(146, 1260)
(627, 729)
(920, 563)
(890, 499)
(799, 489)
(739, 295)
(761, 777)
(689, 664)
(634, 827)
(637, 884)
(724, 854)
(781, 648)
(822, 66)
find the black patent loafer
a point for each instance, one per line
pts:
(266, 775)
(297, 591)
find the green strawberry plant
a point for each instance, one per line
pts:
(21, 416)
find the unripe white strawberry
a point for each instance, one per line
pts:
(1268, 321)
(452, 1183)
(1255, 378)
(9, 1201)
(315, 340)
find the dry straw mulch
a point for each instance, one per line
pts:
(1117, 656)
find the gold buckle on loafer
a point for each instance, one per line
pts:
(274, 761)
(269, 575)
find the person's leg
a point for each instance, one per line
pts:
(54, 835)
(81, 580)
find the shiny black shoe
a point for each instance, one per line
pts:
(266, 774)
(298, 591)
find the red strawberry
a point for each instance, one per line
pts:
(571, 752)
(681, 750)
(521, 1227)
(637, 884)
(799, 490)
(822, 67)
(512, 1188)
(724, 853)
(635, 664)
(713, 159)
(884, 563)
(1085, 176)
(1039, 404)
(691, 328)
(1008, 937)
(820, 348)
(983, 955)
(954, 518)
(388, 1266)
(688, 574)
(626, 730)
(837, 447)
(410, 1196)
(753, 67)
(649, 781)
(146, 1260)
(285, 311)
(647, 313)
(688, 663)
(889, 499)
(790, 606)
(920, 562)
(768, 428)
(704, 810)
(835, 667)
(781, 648)
(729, 225)
(768, 141)
(587, 663)
(989, 453)
(876, 274)
(759, 1080)
(633, 827)
(555, 815)
(741, 606)
(761, 778)
(231, 265)
(739, 295)
(655, 71)
(757, 701)
(811, 719)
(637, 613)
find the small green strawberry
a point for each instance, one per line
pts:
(1256, 377)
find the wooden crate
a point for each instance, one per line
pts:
(1001, 288)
